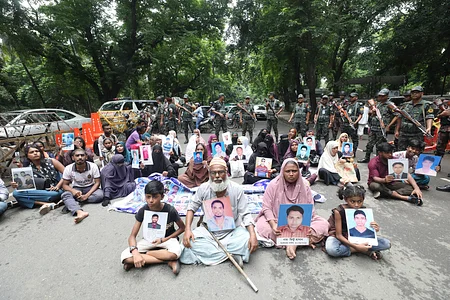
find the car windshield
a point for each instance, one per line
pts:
(260, 107)
(116, 105)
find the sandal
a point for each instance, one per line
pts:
(44, 209)
(415, 200)
(375, 255)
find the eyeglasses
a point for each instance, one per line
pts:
(215, 173)
(356, 201)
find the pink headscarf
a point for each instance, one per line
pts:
(208, 147)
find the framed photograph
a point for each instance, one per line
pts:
(303, 152)
(167, 145)
(198, 157)
(154, 225)
(24, 178)
(146, 154)
(237, 168)
(426, 165)
(263, 165)
(219, 214)
(398, 167)
(294, 221)
(135, 159)
(347, 149)
(226, 136)
(238, 153)
(218, 149)
(358, 226)
(67, 139)
(310, 141)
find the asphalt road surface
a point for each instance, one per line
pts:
(48, 257)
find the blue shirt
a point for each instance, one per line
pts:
(199, 112)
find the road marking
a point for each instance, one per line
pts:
(445, 179)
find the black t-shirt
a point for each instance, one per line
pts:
(172, 216)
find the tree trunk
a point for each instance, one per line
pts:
(33, 82)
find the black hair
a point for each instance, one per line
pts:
(349, 190)
(154, 187)
(155, 215)
(309, 138)
(429, 158)
(304, 147)
(295, 208)
(27, 149)
(398, 163)
(359, 212)
(140, 128)
(82, 141)
(217, 201)
(105, 125)
(414, 143)
(385, 147)
(78, 149)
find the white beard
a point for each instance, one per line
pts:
(219, 187)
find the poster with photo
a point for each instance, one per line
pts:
(237, 168)
(358, 226)
(426, 165)
(67, 140)
(398, 168)
(135, 159)
(154, 225)
(219, 214)
(146, 154)
(167, 145)
(226, 137)
(218, 149)
(347, 149)
(238, 153)
(310, 141)
(24, 178)
(263, 166)
(294, 221)
(198, 158)
(303, 152)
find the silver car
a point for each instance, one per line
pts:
(260, 112)
(37, 121)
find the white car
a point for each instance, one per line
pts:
(260, 112)
(37, 121)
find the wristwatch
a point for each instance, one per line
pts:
(133, 248)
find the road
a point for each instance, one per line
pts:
(48, 257)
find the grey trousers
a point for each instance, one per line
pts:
(73, 204)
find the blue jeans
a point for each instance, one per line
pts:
(198, 122)
(3, 207)
(27, 198)
(420, 179)
(335, 248)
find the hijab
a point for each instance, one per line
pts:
(327, 161)
(289, 153)
(126, 154)
(260, 138)
(339, 140)
(208, 147)
(273, 151)
(234, 138)
(116, 174)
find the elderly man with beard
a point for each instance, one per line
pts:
(199, 245)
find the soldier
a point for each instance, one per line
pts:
(406, 99)
(220, 112)
(355, 111)
(323, 119)
(185, 114)
(301, 114)
(387, 115)
(337, 124)
(273, 107)
(444, 133)
(418, 109)
(170, 114)
(247, 118)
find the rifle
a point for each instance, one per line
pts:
(379, 117)
(241, 107)
(408, 116)
(344, 112)
(271, 108)
(181, 106)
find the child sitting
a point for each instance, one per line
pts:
(337, 243)
(108, 150)
(160, 250)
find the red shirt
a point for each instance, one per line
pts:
(376, 168)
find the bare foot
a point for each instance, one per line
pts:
(175, 266)
(127, 267)
(81, 215)
(290, 252)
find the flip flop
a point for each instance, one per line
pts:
(375, 255)
(44, 209)
(415, 200)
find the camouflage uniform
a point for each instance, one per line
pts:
(272, 120)
(354, 110)
(421, 111)
(157, 124)
(300, 112)
(444, 133)
(375, 135)
(337, 123)
(324, 113)
(219, 121)
(171, 121)
(248, 124)
(187, 119)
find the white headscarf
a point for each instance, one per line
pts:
(327, 161)
(248, 151)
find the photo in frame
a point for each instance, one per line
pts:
(358, 226)
(263, 166)
(347, 149)
(310, 141)
(167, 145)
(135, 159)
(426, 165)
(398, 168)
(226, 137)
(219, 214)
(146, 154)
(294, 224)
(218, 149)
(154, 225)
(24, 178)
(68, 139)
(198, 157)
(238, 153)
(303, 152)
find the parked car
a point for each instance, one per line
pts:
(111, 108)
(37, 121)
(260, 112)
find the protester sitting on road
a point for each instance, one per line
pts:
(160, 165)
(85, 179)
(121, 149)
(314, 154)
(261, 151)
(260, 138)
(287, 188)
(234, 141)
(327, 163)
(412, 152)
(135, 137)
(273, 149)
(194, 140)
(292, 134)
(66, 157)
(160, 250)
(383, 185)
(47, 154)
(199, 246)
(337, 243)
(117, 179)
(4, 195)
(108, 150)
(46, 172)
(196, 174)
(176, 155)
(107, 133)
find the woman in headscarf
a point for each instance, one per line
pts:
(260, 138)
(283, 145)
(272, 147)
(292, 134)
(117, 179)
(287, 188)
(48, 182)
(342, 139)
(121, 149)
(291, 153)
(327, 163)
(196, 174)
(193, 141)
(261, 151)
(234, 141)
(211, 140)
(66, 157)
(160, 164)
